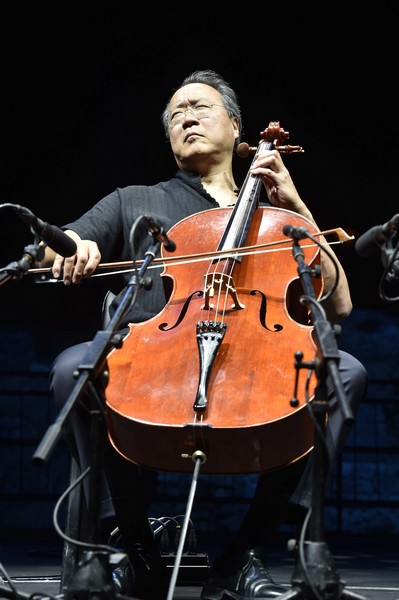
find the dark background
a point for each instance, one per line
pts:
(82, 99)
(83, 94)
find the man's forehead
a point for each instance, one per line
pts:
(194, 91)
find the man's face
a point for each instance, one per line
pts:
(200, 129)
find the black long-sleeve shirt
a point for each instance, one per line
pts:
(109, 223)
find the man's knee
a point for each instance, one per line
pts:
(62, 378)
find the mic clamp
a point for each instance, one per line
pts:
(159, 233)
(296, 233)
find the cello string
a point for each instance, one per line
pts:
(241, 214)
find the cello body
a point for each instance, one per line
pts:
(183, 382)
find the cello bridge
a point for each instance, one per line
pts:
(217, 283)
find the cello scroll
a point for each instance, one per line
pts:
(275, 134)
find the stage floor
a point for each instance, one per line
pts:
(367, 566)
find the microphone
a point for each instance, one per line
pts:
(59, 241)
(296, 233)
(370, 242)
(158, 233)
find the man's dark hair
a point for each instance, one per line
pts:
(213, 79)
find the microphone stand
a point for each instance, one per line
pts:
(315, 575)
(94, 574)
(17, 269)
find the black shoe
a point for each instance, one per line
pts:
(241, 578)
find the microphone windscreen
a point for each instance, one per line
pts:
(369, 243)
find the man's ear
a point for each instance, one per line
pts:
(236, 128)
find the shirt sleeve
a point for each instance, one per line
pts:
(101, 223)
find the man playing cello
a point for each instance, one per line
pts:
(202, 122)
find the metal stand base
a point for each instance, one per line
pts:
(315, 576)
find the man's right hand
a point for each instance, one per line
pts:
(81, 264)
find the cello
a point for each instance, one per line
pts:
(214, 370)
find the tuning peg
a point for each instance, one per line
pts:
(244, 150)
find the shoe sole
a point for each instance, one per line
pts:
(223, 594)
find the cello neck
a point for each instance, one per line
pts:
(237, 228)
